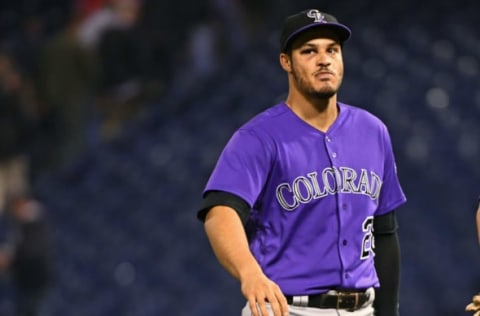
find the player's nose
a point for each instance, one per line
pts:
(323, 60)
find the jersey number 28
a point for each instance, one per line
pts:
(368, 242)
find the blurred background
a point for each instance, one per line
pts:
(114, 113)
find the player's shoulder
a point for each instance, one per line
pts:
(267, 118)
(361, 115)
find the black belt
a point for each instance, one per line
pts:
(340, 300)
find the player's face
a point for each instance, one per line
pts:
(317, 64)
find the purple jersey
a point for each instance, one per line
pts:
(313, 195)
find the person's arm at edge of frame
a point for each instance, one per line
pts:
(387, 264)
(474, 305)
(478, 221)
(228, 239)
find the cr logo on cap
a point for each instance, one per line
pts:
(317, 15)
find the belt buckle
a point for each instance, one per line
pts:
(348, 301)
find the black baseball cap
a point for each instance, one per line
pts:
(305, 20)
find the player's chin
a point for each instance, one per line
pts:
(326, 86)
(324, 93)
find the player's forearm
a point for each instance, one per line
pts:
(387, 264)
(229, 242)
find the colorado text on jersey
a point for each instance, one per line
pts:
(332, 180)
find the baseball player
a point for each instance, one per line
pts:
(474, 306)
(300, 206)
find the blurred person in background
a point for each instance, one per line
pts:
(67, 76)
(23, 252)
(16, 131)
(110, 33)
(27, 256)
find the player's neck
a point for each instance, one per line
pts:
(320, 114)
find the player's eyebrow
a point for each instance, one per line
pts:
(313, 45)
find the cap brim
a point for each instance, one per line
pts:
(342, 31)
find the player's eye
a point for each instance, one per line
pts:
(307, 51)
(333, 50)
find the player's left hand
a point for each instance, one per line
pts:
(474, 306)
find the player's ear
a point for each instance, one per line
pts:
(285, 62)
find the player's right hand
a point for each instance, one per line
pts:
(260, 291)
(474, 306)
